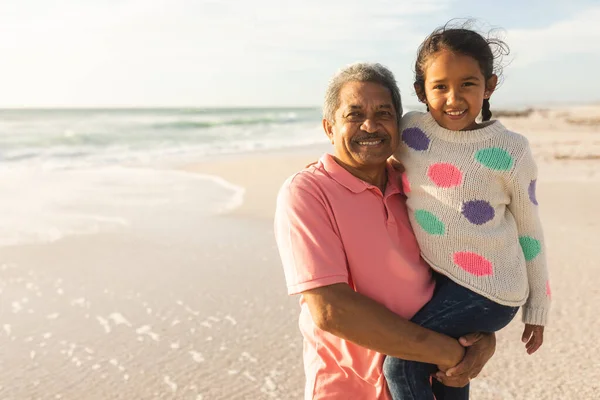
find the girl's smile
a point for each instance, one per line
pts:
(456, 114)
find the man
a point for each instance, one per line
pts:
(348, 248)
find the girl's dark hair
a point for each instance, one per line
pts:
(487, 51)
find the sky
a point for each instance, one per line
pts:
(262, 53)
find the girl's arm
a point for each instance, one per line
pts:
(524, 208)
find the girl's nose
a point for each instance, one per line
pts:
(452, 98)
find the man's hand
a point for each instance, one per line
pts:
(533, 336)
(480, 348)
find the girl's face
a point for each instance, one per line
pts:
(455, 89)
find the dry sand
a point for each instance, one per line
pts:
(200, 312)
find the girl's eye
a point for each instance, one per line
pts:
(439, 87)
(469, 84)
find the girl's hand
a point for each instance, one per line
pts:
(397, 165)
(533, 336)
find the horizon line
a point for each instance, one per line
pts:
(258, 107)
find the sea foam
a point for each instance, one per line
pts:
(46, 205)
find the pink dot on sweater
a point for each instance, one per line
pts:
(444, 175)
(405, 183)
(473, 263)
(548, 291)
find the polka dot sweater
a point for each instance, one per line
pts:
(472, 204)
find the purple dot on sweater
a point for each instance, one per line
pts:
(478, 212)
(415, 139)
(532, 192)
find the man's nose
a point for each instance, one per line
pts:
(369, 125)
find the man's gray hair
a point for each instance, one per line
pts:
(360, 72)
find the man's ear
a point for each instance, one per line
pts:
(490, 86)
(328, 128)
(420, 93)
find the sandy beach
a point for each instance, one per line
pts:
(196, 307)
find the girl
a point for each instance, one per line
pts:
(470, 191)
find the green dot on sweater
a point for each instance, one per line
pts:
(429, 222)
(531, 247)
(495, 158)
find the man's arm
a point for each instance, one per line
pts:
(341, 311)
(322, 278)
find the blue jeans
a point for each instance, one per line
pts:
(454, 311)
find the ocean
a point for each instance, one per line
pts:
(81, 171)
(54, 139)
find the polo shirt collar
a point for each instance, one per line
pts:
(354, 184)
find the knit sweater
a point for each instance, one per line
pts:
(472, 204)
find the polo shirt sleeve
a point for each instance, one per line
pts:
(311, 250)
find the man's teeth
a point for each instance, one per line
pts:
(370, 142)
(455, 113)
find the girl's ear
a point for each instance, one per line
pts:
(490, 86)
(420, 92)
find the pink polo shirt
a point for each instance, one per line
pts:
(332, 227)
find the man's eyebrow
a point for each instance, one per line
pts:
(359, 107)
(355, 107)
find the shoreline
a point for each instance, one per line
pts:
(260, 174)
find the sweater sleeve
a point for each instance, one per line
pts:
(524, 208)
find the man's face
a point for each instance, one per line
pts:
(365, 131)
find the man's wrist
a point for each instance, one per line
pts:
(452, 356)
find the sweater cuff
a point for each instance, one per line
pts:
(535, 316)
